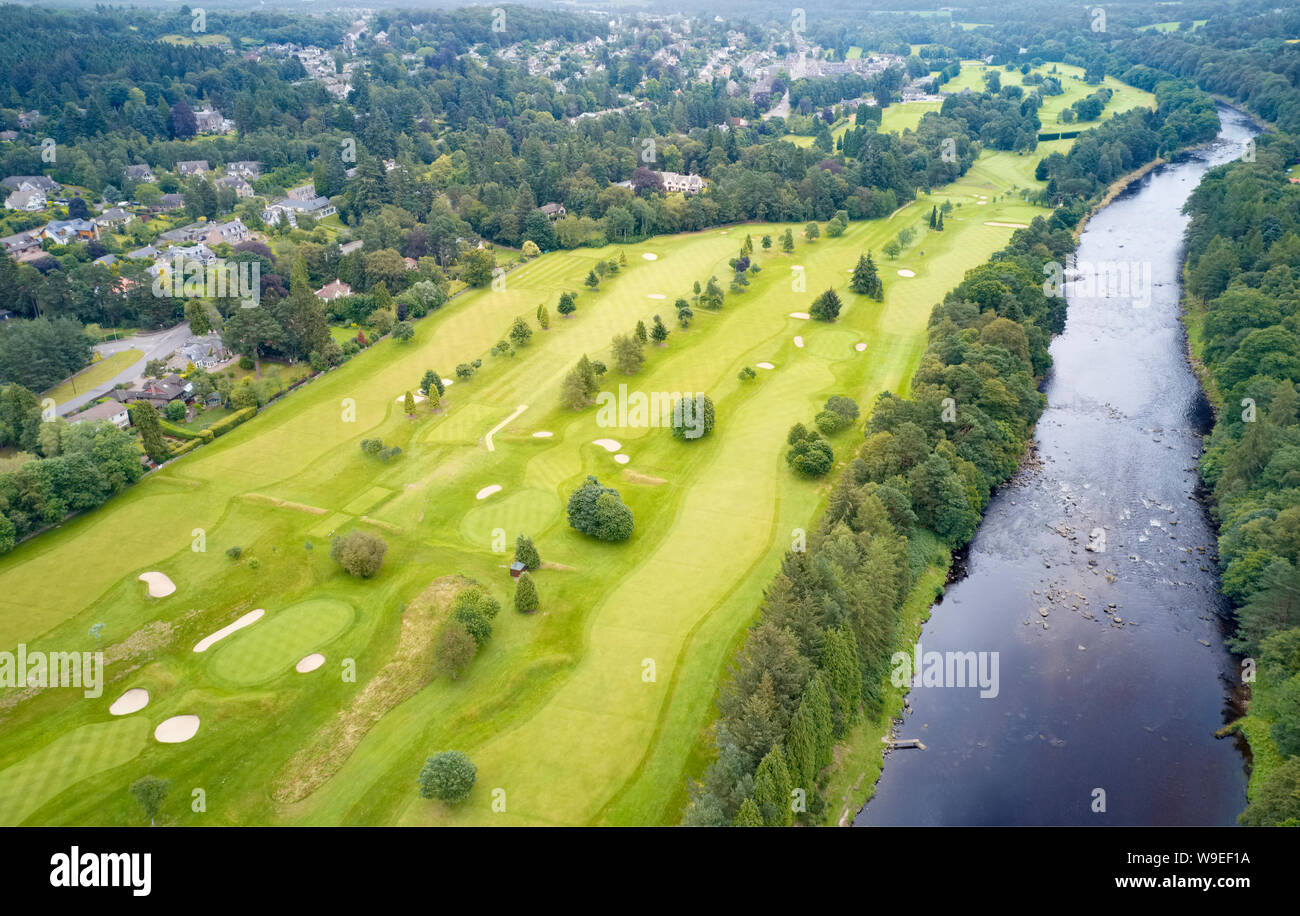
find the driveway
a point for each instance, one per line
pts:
(154, 346)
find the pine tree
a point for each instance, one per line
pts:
(787, 241)
(543, 317)
(819, 705)
(748, 815)
(826, 307)
(145, 418)
(659, 332)
(801, 748)
(435, 400)
(592, 281)
(526, 600)
(409, 404)
(939, 224)
(772, 789)
(566, 306)
(641, 334)
(840, 663)
(934, 211)
(526, 552)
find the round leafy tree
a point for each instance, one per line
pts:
(692, 417)
(809, 453)
(447, 776)
(599, 512)
(359, 553)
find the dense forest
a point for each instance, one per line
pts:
(1243, 279)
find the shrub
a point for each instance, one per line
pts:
(829, 422)
(809, 453)
(360, 553)
(234, 552)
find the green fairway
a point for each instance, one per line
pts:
(589, 711)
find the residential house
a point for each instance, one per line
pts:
(687, 184)
(114, 412)
(245, 168)
(209, 121)
(349, 247)
(148, 252)
(236, 183)
(31, 183)
(332, 290)
(169, 202)
(290, 209)
(114, 218)
(28, 119)
(8, 136)
(140, 173)
(206, 352)
(228, 233)
(187, 167)
(553, 211)
(158, 392)
(303, 192)
(26, 201)
(23, 246)
(63, 231)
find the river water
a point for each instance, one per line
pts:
(1112, 699)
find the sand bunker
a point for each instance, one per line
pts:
(309, 663)
(765, 365)
(656, 296)
(419, 398)
(1006, 225)
(543, 434)
(488, 491)
(134, 700)
(622, 459)
(208, 641)
(798, 341)
(160, 586)
(650, 256)
(804, 315)
(907, 273)
(177, 729)
(609, 445)
(448, 382)
(859, 347)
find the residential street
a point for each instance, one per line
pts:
(154, 346)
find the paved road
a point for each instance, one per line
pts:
(154, 346)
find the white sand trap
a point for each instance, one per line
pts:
(419, 398)
(798, 341)
(309, 663)
(609, 445)
(160, 586)
(622, 459)
(177, 729)
(765, 365)
(656, 296)
(488, 491)
(859, 347)
(543, 434)
(907, 273)
(980, 203)
(803, 315)
(134, 700)
(1006, 225)
(208, 641)
(650, 256)
(448, 382)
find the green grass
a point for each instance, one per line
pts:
(97, 373)
(273, 645)
(555, 709)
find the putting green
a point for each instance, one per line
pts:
(529, 511)
(279, 640)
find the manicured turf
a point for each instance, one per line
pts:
(96, 374)
(274, 644)
(557, 709)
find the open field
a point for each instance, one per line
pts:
(555, 710)
(1125, 96)
(96, 373)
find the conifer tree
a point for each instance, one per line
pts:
(526, 552)
(526, 600)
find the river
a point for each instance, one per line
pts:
(1107, 706)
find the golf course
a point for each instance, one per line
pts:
(592, 710)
